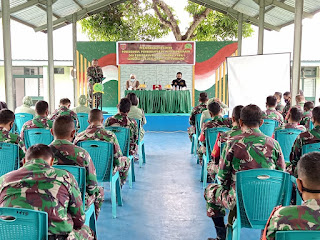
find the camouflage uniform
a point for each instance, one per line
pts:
(120, 163)
(192, 120)
(279, 107)
(291, 126)
(93, 73)
(272, 113)
(40, 187)
(216, 121)
(306, 119)
(304, 217)
(8, 137)
(81, 158)
(304, 138)
(122, 120)
(286, 109)
(62, 111)
(37, 122)
(249, 150)
(213, 166)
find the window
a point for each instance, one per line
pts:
(31, 71)
(58, 70)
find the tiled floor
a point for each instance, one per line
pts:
(166, 201)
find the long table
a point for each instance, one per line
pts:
(163, 101)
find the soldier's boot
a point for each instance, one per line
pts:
(220, 228)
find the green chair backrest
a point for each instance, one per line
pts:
(298, 235)
(83, 121)
(123, 136)
(22, 118)
(9, 157)
(268, 126)
(314, 147)
(37, 135)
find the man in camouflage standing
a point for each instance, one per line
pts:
(279, 106)
(249, 150)
(39, 186)
(64, 110)
(6, 122)
(66, 153)
(306, 216)
(40, 121)
(95, 131)
(271, 112)
(94, 75)
(287, 100)
(121, 119)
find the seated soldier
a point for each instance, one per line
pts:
(294, 118)
(309, 137)
(249, 150)
(287, 100)
(271, 112)
(306, 216)
(95, 131)
(66, 153)
(136, 113)
(64, 110)
(121, 119)
(279, 106)
(26, 106)
(82, 108)
(307, 115)
(213, 166)
(203, 99)
(216, 121)
(206, 114)
(300, 101)
(40, 121)
(39, 186)
(6, 122)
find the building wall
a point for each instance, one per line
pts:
(2, 84)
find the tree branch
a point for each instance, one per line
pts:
(172, 22)
(197, 19)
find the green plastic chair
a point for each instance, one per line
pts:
(37, 135)
(314, 147)
(286, 138)
(20, 119)
(141, 149)
(123, 136)
(268, 126)
(102, 156)
(83, 121)
(23, 224)
(297, 235)
(258, 192)
(79, 174)
(9, 157)
(195, 137)
(211, 138)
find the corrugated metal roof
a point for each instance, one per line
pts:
(278, 13)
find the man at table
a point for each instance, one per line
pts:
(179, 82)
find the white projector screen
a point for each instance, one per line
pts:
(252, 78)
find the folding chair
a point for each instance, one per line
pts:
(9, 157)
(20, 119)
(21, 224)
(269, 126)
(37, 135)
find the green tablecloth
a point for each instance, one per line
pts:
(163, 101)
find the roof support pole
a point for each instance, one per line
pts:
(9, 84)
(296, 69)
(51, 89)
(240, 23)
(74, 45)
(261, 27)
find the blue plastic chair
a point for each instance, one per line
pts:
(83, 121)
(195, 137)
(9, 157)
(268, 126)
(141, 149)
(23, 224)
(314, 147)
(211, 138)
(20, 119)
(258, 192)
(311, 126)
(123, 136)
(297, 235)
(102, 156)
(286, 138)
(79, 174)
(37, 135)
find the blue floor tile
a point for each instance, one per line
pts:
(166, 201)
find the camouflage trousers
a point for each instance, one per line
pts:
(201, 150)
(191, 131)
(133, 149)
(122, 164)
(80, 234)
(212, 169)
(97, 200)
(218, 199)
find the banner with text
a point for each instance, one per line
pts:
(155, 53)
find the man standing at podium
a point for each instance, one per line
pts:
(179, 83)
(95, 75)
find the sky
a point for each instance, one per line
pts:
(26, 44)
